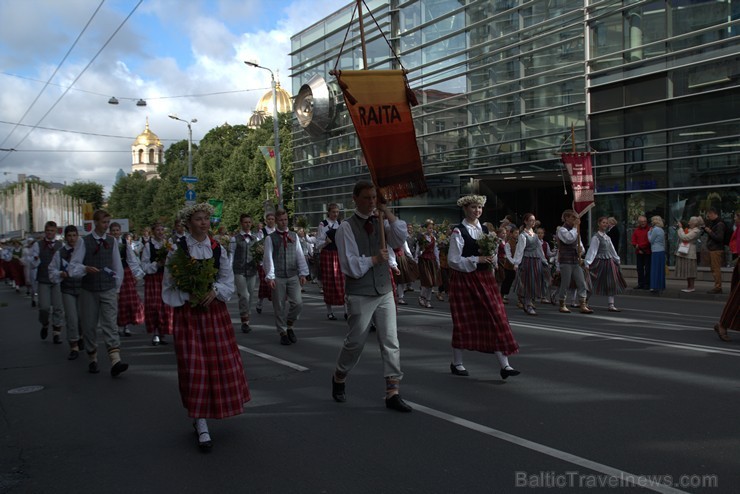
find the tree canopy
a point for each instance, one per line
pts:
(90, 192)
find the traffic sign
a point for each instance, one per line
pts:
(189, 180)
(190, 195)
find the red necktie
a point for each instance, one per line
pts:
(101, 241)
(285, 238)
(369, 225)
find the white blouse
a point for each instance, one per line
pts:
(454, 255)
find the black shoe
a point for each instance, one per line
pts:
(155, 340)
(458, 372)
(126, 332)
(258, 309)
(44, 332)
(246, 328)
(33, 303)
(346, 316)
(291, 335)
(57, 339)
(396, 403)
(373, 328)
(118, 368)
(162, 341)
(93, 368)
(509, 372)
(284, 340)
(73, 354)
(331, 316)
(204, 446)
(337, 391)
(81, 344)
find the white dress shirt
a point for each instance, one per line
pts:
(270, 267)
(454, 255)
(352, 263)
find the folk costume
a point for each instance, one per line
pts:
(284, 263)
(130, 306)
(157, 314)
(532, 275)
(408, 270)
(427, 255)
(265, 292)
(332, 279)
(51, 308)
(246, 279)
(98, 299)
(603, 262)
(730, 318)
(70, 288)
(479, 320)
(569, 265)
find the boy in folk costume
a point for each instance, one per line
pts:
(98, 262)
(245, 269)
(70, 287)
(130, 307)
(427, 255)
(157, 314)
(265, 292)
(210, 371)
(368, 286)
(285, 272)
(332, 279)
(51, 308)
(479, 320)
(570, 249)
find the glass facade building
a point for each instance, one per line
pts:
(652, 88)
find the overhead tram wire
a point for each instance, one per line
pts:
(94, 134)
(59, 66)
(76, 78)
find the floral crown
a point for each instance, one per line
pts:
(188, 211)
(471, 199)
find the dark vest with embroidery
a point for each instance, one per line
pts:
(284, 258)
(470, 246)
(68, 285)
(46, 254)
(100, 256)
(377, 281)
(153, 254)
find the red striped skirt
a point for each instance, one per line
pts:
(606, 278)
(210, 372)
(16, 272)
(130, 307)
(408, 268)
(265, 291)
(332, 278)
(479, 320)
(532, 279)
(157, 314)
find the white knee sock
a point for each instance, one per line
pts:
(503, 360)
(457, 356)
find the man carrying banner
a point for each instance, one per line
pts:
(570, 249)
(364, 262)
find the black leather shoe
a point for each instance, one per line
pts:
(396, 403)
(346, 316)
(258, 309)
(118, 368)
(331, 316)
(93, 368)
(284, 340)
(291, 336)
(337, 391)
(509, 372)
(246, 328)
(73, 354)
(44, 332)
(458, 372)
(203, 445)
(57, 339)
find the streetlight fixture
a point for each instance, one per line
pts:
(190, 141)
(114, 101)
(278, 174)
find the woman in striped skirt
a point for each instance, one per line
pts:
(157, 314)
(427, 255)
(209, 367)
(479, 320)
(332, 278)
(602, 263)
(130, 307)
(531, 267)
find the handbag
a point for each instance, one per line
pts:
(683, 248)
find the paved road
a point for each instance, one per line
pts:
(602, 400)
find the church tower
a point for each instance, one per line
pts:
(147, 152)
(265, 104)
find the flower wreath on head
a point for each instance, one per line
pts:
(471, 199)
(188, 211)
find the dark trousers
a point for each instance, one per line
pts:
(509, 276)
(643, 270)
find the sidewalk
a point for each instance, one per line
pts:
(674, 286)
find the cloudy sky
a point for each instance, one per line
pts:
(175, 54)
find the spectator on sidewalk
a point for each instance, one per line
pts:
(641, 243)
(715, 230)
(686, 252)
(656, 236)
(735, 238)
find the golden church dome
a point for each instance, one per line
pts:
(256, 120)
(147, 138)
(284, 99)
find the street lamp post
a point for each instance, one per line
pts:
(275, 129)
(190, 141)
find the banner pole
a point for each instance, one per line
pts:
(381, 229)
(362, 35)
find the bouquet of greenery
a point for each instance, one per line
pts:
(488, 244)
(257, 250)
(193, 276)
(160, 255)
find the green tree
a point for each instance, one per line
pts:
(90, 192)
(131, 198)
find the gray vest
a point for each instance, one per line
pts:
(284, 260)
(568, 253)
(99, 256)
(242, 262)
(45, 256)
(377, 281)
(69, 285)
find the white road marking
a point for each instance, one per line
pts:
(626, 477)
(271, 358)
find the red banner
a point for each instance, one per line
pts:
(379, 104)
(582, 179)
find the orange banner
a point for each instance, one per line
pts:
(379, 104)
